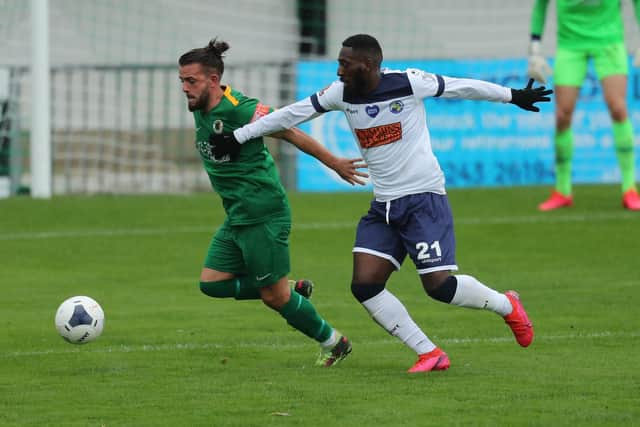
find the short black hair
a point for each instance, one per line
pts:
(366, 45)
(209, 56)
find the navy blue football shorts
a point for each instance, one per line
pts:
(420, 225)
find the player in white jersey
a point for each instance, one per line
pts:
(410, 214)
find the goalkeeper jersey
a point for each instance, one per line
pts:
(584, 24)
(250, 186)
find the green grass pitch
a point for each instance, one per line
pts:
(169, 356)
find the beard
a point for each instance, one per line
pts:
(199, 103)
(358, 81)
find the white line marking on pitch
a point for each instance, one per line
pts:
(205, 346)
(532, 219)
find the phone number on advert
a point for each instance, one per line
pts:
(502, 173)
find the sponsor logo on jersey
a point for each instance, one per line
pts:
(396, 106)
(261, 111)
(204, 148)
(372, 110)
(379, 135)
(351, 110)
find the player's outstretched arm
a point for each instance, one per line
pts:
(527, 98)
(347, 169)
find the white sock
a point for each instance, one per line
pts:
(331, 341)
(388, 312)
(473, 294)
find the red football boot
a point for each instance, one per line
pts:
(556, 201)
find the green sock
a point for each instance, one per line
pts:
(623, 140)
(564, 153)
(302, 315)
(231, 288)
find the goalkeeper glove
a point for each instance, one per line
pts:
(636, 58)
(525, 98)
(223, 144)
(538, 66)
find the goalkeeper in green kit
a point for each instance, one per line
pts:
(587, 29)
(248, 257)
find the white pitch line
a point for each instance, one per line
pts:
(532, 219)
(207, 346)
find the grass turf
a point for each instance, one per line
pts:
(171, 356)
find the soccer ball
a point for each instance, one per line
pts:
(79, 320)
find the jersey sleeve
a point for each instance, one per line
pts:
(246, 111)
(284, 118)
(293, 114)
(328, 99)
(474, 89)
(260, 111)
(424, 84)
(538, 17)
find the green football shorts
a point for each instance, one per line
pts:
(570, 67)
(260, 252)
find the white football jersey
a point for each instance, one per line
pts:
(389, 125)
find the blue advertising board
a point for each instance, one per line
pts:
(480, 143)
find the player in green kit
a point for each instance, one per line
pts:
(586, 29)
(248, 257)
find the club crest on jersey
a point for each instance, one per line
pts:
(372, 110)
(396, 107)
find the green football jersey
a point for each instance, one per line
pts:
(584, 24)
(250, 186)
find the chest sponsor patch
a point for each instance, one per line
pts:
(379, 135)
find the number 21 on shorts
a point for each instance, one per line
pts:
(425, 249)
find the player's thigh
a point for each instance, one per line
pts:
(378, 248)
(265, 248)
(371, 269)
(610, 60)
(223, 255)
(570, 67)
(428, 234)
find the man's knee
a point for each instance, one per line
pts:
(618, 112)
(220, 289)
(563, 120)
(441, 288)
(277, 295)
(363, 292)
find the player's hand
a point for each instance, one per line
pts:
(527, 97)
(538, 68)
(223, 144)
(347, 169)
(636, 58)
